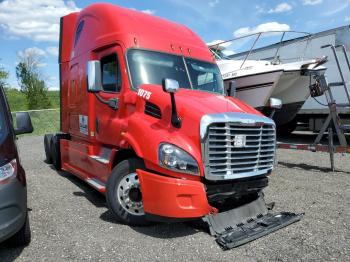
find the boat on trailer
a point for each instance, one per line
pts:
(256, 81)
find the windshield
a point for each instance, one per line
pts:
(149, 67)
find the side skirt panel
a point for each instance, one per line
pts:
(88, 167)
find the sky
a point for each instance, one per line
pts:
(34, 24)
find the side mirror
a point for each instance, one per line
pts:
(232, 88)
(170, 85)
(94, 78)
(275, 103)
(24, 124)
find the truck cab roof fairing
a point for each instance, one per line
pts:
(106, 24)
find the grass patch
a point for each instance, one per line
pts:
(47, 121)
(44, 122)
(54, 97)
(18, 101)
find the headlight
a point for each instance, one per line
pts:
(8, 170)
(176, 159)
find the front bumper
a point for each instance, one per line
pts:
(13, 208)
(173, 198)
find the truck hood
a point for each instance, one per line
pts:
(196, 103)
(210, 103)
(151, 123)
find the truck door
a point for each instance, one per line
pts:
(107, 119)
(73, 98)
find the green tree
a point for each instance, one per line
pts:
(31, 81)
(3, 76)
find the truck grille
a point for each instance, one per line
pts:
(252, 154)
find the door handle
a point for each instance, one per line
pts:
(113, 103)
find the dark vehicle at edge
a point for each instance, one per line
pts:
(14, 221)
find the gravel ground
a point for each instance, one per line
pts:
(70, 221)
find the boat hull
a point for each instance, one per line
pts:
(257, 81)
(291, 87)
(293, 90)
(256, 89)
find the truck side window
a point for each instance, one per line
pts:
(78, 32)
(111, 77)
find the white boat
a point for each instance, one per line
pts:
(315, 111)
(258, 80)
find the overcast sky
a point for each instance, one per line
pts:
(28, 24)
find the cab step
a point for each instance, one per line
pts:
(246, 223)
(97, 184)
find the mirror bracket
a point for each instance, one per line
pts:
(171, 86)
(274, 104)
(232, 88)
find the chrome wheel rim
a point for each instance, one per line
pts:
(129, 195)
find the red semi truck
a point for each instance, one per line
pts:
(145, 121)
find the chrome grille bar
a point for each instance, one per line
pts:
(225, 159)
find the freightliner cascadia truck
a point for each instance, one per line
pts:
(145, 121)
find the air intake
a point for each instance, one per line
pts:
(153, 110)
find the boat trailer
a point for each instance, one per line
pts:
(316, 147)
(333, 121)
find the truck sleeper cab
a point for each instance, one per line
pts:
(14, 221)
(145, 121)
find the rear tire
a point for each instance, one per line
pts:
(22, 237)
(47, 141)
(123, 193)
(55, 152)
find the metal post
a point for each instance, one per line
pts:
(323, 129)
(305, 49)
(279, 46)
(340, 72)
(346, 56)
(251, 49)
(331, 148)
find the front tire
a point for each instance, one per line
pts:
(123, 193)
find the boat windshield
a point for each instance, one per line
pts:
(150, 67)
(244, 47)
(218, 54)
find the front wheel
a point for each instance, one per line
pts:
(123, 193)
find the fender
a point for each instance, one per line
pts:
(132, 142)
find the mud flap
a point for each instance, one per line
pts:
(246, 223)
